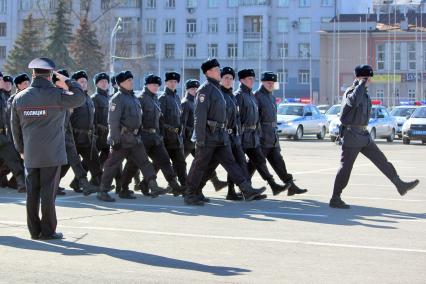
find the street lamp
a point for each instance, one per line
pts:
(116, 28)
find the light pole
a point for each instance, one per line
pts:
(116, 28)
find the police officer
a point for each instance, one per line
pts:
(82, 185)
(151, 137)
(249, 118)
(356, 110)
(211, 138)
(171, 125)
(82, 121)
(187, 120)
(101, 102)
(38, 115)
(124, 122)
(269, 140)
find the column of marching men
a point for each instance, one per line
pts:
(116, 137)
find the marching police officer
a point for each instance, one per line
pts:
(37, 122)
(269, 140)
(355, 114)
(151, 137)
(211, 138)
(249, 118)
(124, 122)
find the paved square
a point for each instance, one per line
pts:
(382, 238)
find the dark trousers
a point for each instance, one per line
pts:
(204, 156)
(276, 160)
(73, 162)
(257, 161)
(12, 161)
(136, 154)
(42, 184)
(90, 160)
(103, 156)
(177, 157)
(159, 157)
(347, 160)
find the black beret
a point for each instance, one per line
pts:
(42, 63)
(209, 64)
(123, 76)
(363, 71)
(192, 83)
(246, 73)
(61, 71)
(21, 78)
(100, 76)
(269, 76)
(80, 74)
(153, 79)
(113, 82)
(226, 71)
(8, 79)
(172, 76)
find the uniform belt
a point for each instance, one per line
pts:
(360, 127)
(101, 127)
(149, 130)
(216, 124)
(272, 124)
(84, 131)
(249, 127)
(171, 128)
(230, 130)
(128, 130)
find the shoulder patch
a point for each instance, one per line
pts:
(112, 106)
(201, 98)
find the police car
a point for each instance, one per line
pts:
(299, 117)
(402, 113)
(333, 112)
(381, 124)
(415, 127)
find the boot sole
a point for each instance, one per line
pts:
(294, 193)
(410, 188)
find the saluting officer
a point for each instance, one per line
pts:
(125, 122)
(38, 115)
(269, 140)
(211, 138)
(356, 110)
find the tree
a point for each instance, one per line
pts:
(86, 50)
(27, 46)
(60, 35)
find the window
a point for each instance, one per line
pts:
(150, 26)
(25, 5)
(3, 6)
(191, 26)
(411, 47)
(282, 50)
(105, 4)
(232, 25)
(191, 4)
(282, 76)
(170, 3)
(150, 49)
(381, 56)
(232, 50)
(304, 50)
(251, 49)
(304, 77)
(305, 25)
(170, 25)
(232, 3)
(169, 50)
(212, 50)
(327, 3)
(2, 52)
(126, 25)
(326, 19)
(283, 3)
(152, 4)
(213, 3)
(411, 94)
(191, 50)
(304, 3)
(212, 24)
(283, 25)
(2, 29)
(397, 56)
(133, 3)
(380, 94)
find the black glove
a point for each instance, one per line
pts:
(116, 147)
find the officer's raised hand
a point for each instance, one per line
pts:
(61, 81)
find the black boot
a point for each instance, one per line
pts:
(192, 198)
(217, 183)
(104, 196)
(402, 186)
(176, 188)
(87, 187)
(250, 193)
(126, 194)
(59, 191)
(75, 186)
(155, 189)
(294, 189)
(232, 195)
(20, 184)
(277, 188)
(337, 202)
(144, 188)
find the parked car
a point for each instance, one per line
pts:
(297, 119)
(415, 127)
(333, 112)
(401, 114)
(323, 108)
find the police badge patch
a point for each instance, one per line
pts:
(112, 107)
(201, 98)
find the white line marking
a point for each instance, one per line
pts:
(287, 214)
(238, 238)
